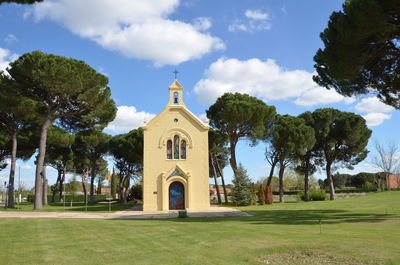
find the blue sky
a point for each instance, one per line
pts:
(264, 48)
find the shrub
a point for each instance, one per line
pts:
(317, 195)
(137, 192)
(241, 193)
(261, 195)
(182, 214)
(367, 186)
(300, 195)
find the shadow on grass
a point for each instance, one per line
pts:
(292, 217)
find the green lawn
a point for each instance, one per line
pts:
(362, 230)
(76, 207)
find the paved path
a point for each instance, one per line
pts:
(126, 214)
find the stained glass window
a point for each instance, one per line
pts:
(183, 149)
(169, 149)
(176, 196)
(176, 147)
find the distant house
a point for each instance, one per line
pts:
(213, 191)
(393, 181)
(105, 190)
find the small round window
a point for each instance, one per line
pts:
(175, 120)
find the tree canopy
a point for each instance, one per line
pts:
(93, 145)
(127, 150)
(69, 93)
(59, 155)
(290, 137)
(239, 116)
(308, 161)
(4, 149)
(341, 138)
(362, 51)
(17, 118)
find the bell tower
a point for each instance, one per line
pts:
(175, 94)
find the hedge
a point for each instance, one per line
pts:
(296, 192)
(76, 198)
(289, 192)
(355, 190)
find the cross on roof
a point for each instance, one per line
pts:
(175, 73)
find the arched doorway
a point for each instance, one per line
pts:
(176, 196)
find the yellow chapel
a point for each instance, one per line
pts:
(175, 162)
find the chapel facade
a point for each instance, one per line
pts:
(175, 162)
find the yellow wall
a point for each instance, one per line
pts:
(157, 172)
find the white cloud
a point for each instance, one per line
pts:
(318, 96)
(202, 23)
(203, 117)
(10, 38)
(256, 14)
(265, 79)
(26, 167)
(49, 168)
(376, 118)
(349, 100)
(376, 111)
(373, 104)
(283, 9)
(128, 118)
(256, 21)
(134, 28)
(6, 57)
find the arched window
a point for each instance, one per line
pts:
(183, 149)
(176, 147)
(176, 97)
(169, 149)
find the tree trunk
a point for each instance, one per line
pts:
(54, 191)
(215, 180)
(330, 182)
(306, 184)
(44, 193)
(11, 202)
(84, 192)
(387, 180)
(271, 172)
(222, 179)
(281, 171)
(91, 189)
(121, 187)
(92, 177)
(39, 165)
(99, 186)
(232, 160)
(113, 185)
(127, 184)
(62, 180)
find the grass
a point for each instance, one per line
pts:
(76, 207)
(362, 230)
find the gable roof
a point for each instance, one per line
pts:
(184, 110)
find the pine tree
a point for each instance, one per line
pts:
(261, 195)
(241, 194)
